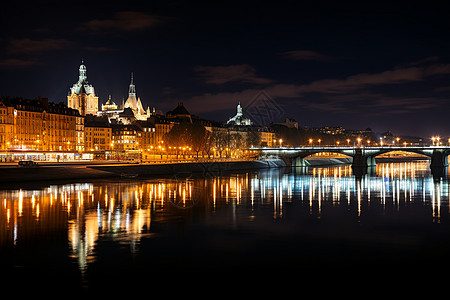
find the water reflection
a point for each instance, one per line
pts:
(124, 212)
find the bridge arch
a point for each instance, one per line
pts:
(301, 159)
(415, 151)
(362, 156)
(439, 157)
(313, 152)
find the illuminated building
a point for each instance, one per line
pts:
(130, 110)
(239, 118)
(148, 138)
(98, 134)
(109, 105)
(135, 103)
(332, 130)
(6, 125)
(266, 137)
(39, 125)
(82, 95)
(126, 137)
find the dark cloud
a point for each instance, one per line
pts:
(233, 73)
(348, 95)
(427, 60)
(372, 104)
(100, 49)
(14, 63)
(121, 22)
(363, 80)
(26, 45)
(305, 55)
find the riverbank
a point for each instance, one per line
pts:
(67, 172)
(188, 168)
(104, 171)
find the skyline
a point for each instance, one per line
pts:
(326, 64)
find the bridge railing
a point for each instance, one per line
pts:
(349, 147)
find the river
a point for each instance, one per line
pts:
(270, 221)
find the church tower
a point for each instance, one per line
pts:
(135, 103)
(82, 95)
(131, 100)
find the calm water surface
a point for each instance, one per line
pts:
(266, 222)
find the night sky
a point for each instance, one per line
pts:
(324, 63)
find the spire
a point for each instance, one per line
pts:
(239, 109)
(132, 89)
(82, 77)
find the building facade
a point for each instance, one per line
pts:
(98, 135)
(40, 125)
(82, 95)
(126, 137)
(6, 125)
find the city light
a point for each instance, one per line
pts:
(76, 132)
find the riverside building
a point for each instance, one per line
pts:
(38, 129)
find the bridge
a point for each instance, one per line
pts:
(362, 156)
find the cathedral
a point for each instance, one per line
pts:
(135, 104)
(128, 111)
(239, 118)
(82, 95)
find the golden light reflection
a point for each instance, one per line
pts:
(124, 211)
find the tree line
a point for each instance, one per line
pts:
(202, 141)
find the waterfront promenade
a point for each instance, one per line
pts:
(48, 171)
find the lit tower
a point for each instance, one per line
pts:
(131, 100)
(82, 95)
(135, 103)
